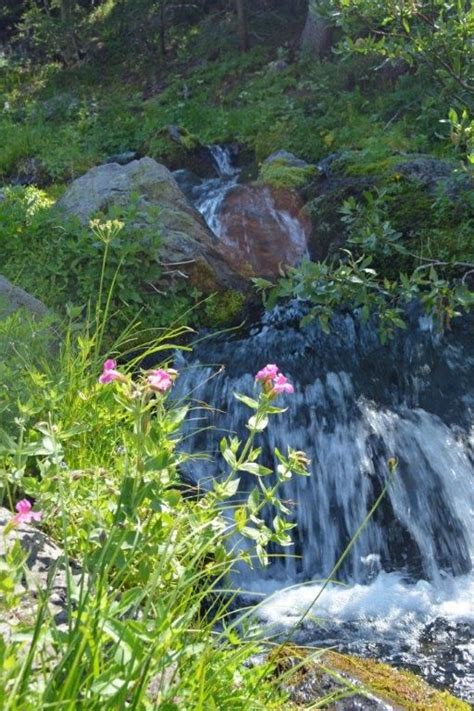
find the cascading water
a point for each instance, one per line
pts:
(407, 583)
(207, 195)
(257, 226)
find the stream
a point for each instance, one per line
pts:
(405, 591)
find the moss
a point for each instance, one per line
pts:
(399, 686)
(281, 175)
(378, 161)
(324, 673)
(224, 309)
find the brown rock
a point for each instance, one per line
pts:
(263, 229)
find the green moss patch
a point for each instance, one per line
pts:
(281, 175)
(310, 675)
(399, 686)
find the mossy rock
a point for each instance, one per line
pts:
(329, 232)
(279, 174)
(365, 163)
(312, 676)
(398, 686)
(224, 308)
(180, 149)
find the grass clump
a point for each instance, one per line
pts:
(64, 259)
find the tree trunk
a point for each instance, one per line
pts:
(241, 6)
(316, 38)
(71, 50)
(162, 29)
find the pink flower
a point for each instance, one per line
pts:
(25, 514)
(160, 380)
(110, 372)
(270, 372)
(274, 383)
(281, 385)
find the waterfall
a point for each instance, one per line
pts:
(249, 223)
(357, 404)
(405, 590)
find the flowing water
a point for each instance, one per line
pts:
(405, 591)
(256, 225)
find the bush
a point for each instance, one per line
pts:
(64, 261)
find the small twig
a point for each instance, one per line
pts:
(176, 264)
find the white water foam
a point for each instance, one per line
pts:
(387, 606)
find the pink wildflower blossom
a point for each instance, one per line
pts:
(274, 383)
(25, 514)
(110, 372)
(268, 373)
(160, 380)
(281, 385)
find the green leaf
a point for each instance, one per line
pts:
(230, 458)
(240, 517)
(255, 468)
(250, 402)
(225, 490)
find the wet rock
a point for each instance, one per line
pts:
(186, 152)
(187, 181)
(263, 229)
(189, 249)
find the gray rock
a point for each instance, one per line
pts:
(45, 571)
(435, 174)
(286, 157)
(277, 66)
(188, 250)
(13, 297)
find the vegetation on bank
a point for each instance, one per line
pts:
(62, 116)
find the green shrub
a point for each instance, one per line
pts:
(60, 261)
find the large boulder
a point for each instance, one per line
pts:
(189, 249)
(263, 229)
